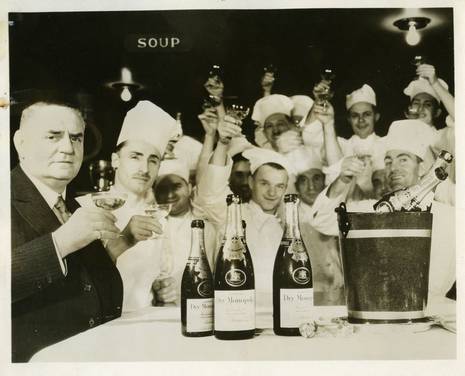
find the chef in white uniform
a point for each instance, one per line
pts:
(268, 185)
(426, 95)
(144, 135)
(406, 147)
(173, 187)
(362, 115)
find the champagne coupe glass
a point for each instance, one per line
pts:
(102, 176)
(238, 111)
(211, 101)
(363, 153)
(108, 200)
(324, 94)
(269, 75)
(160, 212)
(417, 61)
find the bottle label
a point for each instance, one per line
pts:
(235, 277)
(199, 315)
(297, 251)
(236, 250)
(234, 310)
(204, 288)
(200, 265)
(301, 275)
(296, 307)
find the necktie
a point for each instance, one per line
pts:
(60, 210)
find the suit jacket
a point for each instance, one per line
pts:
(47, 306)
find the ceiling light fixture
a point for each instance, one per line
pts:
(412, 24)
(125, 85)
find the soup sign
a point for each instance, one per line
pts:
(157, 43)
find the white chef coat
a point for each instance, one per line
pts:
(138, 265)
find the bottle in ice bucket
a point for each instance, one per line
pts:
(234, 280)
(292, 277)
(197, 288)
(410, 199)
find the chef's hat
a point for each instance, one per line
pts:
(364, 94)
(259, 156)
(308, 159)
(173, 167)
(302, 104)
(148, 122)
(188, 149)
(270, 105)
(422, 85)
(413, 136)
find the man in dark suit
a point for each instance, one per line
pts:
(63, 280)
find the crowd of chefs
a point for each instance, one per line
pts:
(295, 149)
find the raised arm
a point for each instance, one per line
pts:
(212, 188)
(429, 72)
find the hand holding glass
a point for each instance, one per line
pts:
(159, 212)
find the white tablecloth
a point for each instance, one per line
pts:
(154, 334)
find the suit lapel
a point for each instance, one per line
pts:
(30, 204)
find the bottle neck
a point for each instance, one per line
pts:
(197, 243)
(234, 221)
(427, 184)
(291, 228)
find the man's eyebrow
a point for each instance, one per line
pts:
(403, 155)
(54, 132)
(79, 134)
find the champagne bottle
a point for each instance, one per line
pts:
(234, 280)
(410, 199)
(197, 288)
(292, 277)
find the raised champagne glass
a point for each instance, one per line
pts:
(238, 111)
(323, 91)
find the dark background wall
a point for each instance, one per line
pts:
(80, 52)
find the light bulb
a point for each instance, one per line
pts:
(413, 36)
(126, 94)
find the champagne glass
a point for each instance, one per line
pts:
(238, 111)
(102, 175)
(160, 212)
(269, 76)
(322, 91)
(417, 61)
(211, 101)
(363, 153)
(108, 200)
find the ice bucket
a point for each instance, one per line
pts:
(385, 260)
